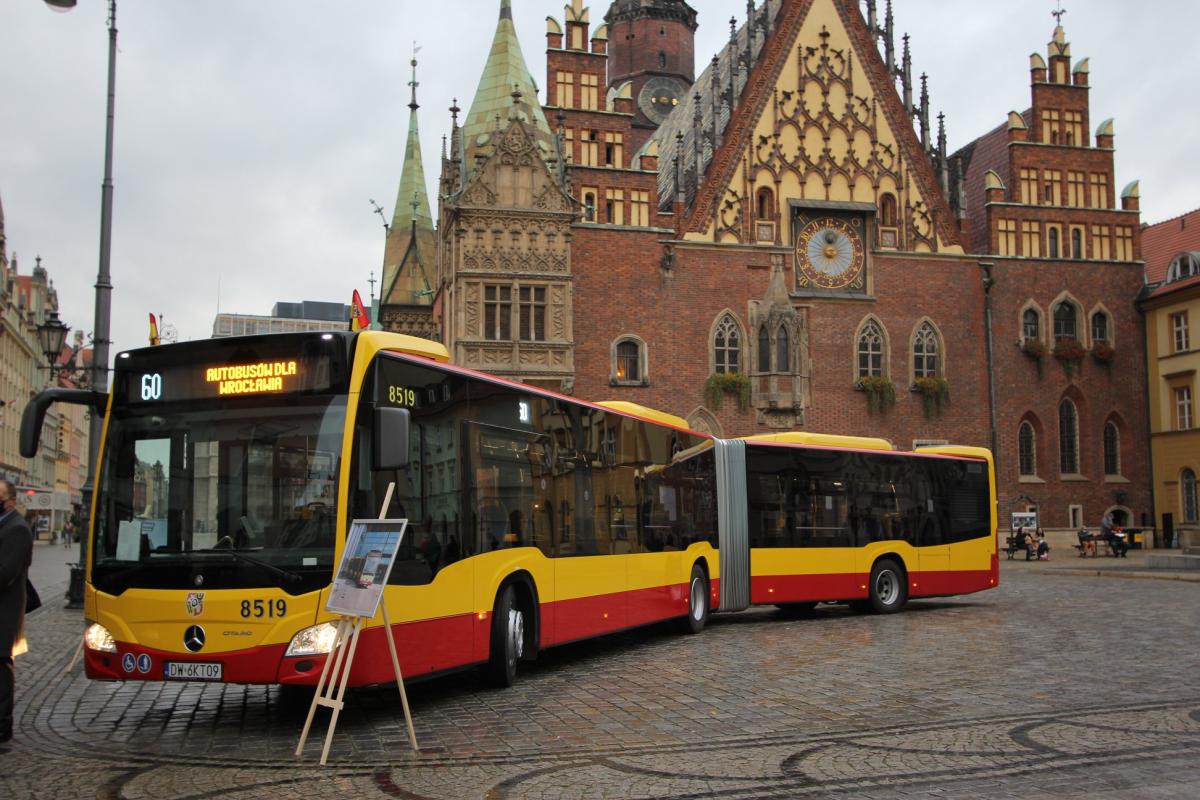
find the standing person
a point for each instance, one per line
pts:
(16, 553)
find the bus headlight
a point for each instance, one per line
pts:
(97, 638)
(315, 641)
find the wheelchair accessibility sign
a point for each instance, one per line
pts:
(128, 662)
(141, 663)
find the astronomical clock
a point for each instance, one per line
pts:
(659, 97)
(831, 252)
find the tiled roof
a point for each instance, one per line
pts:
(504, 73)
(698, 145)
(1164, 240)
(1168, 288)
(988, 152)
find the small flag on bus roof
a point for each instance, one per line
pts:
(359, 319)
(154, 340)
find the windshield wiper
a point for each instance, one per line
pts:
(279, 572)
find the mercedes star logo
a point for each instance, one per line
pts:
(193, 638)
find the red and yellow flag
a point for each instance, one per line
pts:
(154, 340)
(359, 319)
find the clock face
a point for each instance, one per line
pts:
(829, 253)
(659, 97)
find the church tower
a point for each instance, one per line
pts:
(653, 44)
(505, 226)
(410, 254)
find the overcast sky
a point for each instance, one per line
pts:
(250, 134)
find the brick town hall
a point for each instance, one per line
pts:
(781, 241)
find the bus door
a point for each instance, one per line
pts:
(933, 546)
(590, 583)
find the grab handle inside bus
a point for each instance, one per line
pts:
(390, 450)
(35, 413)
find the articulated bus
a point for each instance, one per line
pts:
(230, 470)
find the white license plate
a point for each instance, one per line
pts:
(193, 671)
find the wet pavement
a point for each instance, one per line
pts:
(1060, 683)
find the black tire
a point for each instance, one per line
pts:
(508, 639)
(888, 588)
(797, 609)
(697, 616)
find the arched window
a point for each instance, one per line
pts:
(1187, 492)
(764, 349)
(1026, 449)
(662, 59)
(1076, 243)
(726, 345)
(1064, 321)
(870, 351)
(766, 203)
(782, 350)
(1052, 242)
(887, 210)
(1184, 265)
(925, 352)
(1112, 449)
(1099, 327)
(629, 362)
(1068, 438)
(1031, 324)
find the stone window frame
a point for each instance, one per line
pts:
(1034, 306)
(1080, 315)
(743, 338)
(1024, 454)
(884, 343)
(939, 354)
(643, 360)
(1111, 424)
(1110, 326)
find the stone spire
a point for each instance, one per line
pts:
(410, 249)
(503, 74)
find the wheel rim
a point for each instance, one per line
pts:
(887, 587)
(516, 634)
(697, 599)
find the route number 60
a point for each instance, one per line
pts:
(151, 386)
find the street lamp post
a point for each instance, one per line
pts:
(100, 339)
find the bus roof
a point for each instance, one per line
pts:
(374, 341)
(654, 415)
(821, 440)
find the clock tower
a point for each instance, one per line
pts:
(652, 44)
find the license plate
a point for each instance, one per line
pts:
(193, 671)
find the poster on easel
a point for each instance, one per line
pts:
(366, 564)
(356, 595)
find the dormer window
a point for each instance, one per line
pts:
(1184, 265)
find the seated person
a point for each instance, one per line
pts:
(1117, 542)
(1043, 549)
(1087, 544)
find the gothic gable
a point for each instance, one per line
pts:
(514, 174)
(819, 121)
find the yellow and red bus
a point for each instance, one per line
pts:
(230, 471)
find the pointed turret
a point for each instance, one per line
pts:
(409, 256)
(503, 74)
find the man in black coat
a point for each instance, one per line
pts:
(16, 553)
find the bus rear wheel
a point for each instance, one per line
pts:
(508, 639)
(697, 616)
(889, 588)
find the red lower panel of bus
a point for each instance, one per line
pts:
(767, 589)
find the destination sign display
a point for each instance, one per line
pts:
(215, 369)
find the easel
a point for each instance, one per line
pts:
(341, 657)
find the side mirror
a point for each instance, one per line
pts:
(390, 440)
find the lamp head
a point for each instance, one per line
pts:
(60, 5)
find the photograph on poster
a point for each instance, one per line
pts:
(365, 566)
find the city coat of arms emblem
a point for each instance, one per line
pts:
(194, 604)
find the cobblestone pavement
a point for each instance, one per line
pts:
(1054, 685)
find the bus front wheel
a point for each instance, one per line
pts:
(508, 639)
(889, 588)
(697, 615)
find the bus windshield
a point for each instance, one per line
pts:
(200, 496)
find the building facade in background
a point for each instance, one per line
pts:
(1171, 304)
(285, 317)
(780, 241)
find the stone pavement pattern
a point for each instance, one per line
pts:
(1054, 685)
